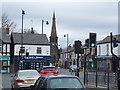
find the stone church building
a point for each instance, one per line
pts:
(54, 42)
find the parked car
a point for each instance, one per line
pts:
(24, 78)
(73, 68)
(58, 82)
(49, 70)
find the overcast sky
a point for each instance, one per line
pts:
(77, 19)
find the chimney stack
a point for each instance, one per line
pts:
(32, 31)
(7, 29)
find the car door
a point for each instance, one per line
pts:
(42, 84)
(36, 86)
(39, 85)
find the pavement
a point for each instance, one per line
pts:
(0, 87)
(100, 88)
(1, 82)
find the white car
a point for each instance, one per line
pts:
(73, 68)
(24, 78)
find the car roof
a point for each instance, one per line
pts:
(59, 76)
(26, 70)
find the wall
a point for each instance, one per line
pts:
(32, 49)
(103, 50)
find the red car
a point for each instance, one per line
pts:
(49, 70)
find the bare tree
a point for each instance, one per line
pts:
(6, 20)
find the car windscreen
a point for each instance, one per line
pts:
(49, 68)
(29, 73)
(73, 83)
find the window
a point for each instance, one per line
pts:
(4, 68)
(65, 83)
(107, 49)
(40, 82)
(5, 63)
(99, 50)
(39, 50)
(0, 49)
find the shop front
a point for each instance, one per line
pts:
(31, 62)
(5, 64)
(107, 63)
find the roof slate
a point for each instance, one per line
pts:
(107, 39)
(29, 38)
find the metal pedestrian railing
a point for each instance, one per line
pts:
(105, 79)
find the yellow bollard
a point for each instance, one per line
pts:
(83, 69)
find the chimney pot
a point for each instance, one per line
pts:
(7, 29)
(32, 31)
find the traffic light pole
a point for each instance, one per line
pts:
(19, 60)
(85, 65)
(78, 65)
(111, 39)
(78, 50)
(116, 57)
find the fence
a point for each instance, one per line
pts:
(105, 79)
(99, 79)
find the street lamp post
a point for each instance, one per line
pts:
(67, 36)
(42, 24)
(21, 48)
(23, 13)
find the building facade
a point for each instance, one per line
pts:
(105, 60)
(5, 43)
(36, 54)
(69, 57)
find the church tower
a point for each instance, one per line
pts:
(54, 42)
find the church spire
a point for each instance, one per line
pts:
(53, 15)
(54, 42)
(53, 29)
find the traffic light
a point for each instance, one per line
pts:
(78, 45)
(92, 40)
(22, 49)
(115, 42)
(27, 54)
(87, 43)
